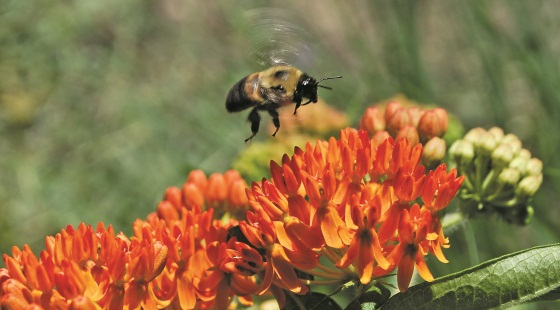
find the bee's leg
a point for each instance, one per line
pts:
(308, 102)
(298, 104)
(255, 120)
(275, 119)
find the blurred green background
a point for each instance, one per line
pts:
(104, 104)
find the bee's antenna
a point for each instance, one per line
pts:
(328, 78)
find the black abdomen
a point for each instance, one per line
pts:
(238, 99)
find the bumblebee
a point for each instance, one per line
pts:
(271, 89)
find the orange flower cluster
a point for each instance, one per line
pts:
(179, 258)
(84, 268)
(354, 201)
(367, 206)
(412, 123)
(205, 267)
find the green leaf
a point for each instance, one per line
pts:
(311, 300)
(372, 299)
(521, 277)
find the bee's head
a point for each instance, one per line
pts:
(307, 87)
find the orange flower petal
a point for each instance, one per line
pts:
(365, 261)
(422, 268)
(185, 290)
(330, 222)
(404, 273)
(292, 183)
(304, 235)
(285, 271)
(266, 281)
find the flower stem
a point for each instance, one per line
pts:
(471, 243)
(331, 274)
(451, 220)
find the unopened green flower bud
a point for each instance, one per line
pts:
(528, 187)
(519, 163)
(434, 152)
(509, 176)
(524, 153)
(474, 135)
(513, 141)
(534, 166)
(497, 132)
(462, 151)
(486, 144)
(502, 156)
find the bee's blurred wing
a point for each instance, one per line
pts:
(279, 38)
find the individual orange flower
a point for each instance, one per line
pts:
(440, 188)
(278, 273)
(409, 253)
(364, 249)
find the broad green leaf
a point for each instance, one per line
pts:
(376, 295)
(525, 276)
(312, 300)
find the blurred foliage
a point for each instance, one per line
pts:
(105, 104)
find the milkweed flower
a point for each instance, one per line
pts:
(84, 268)
(180, 257)
(501, 177)
(206, 266)
(365, 204)
(349, 200)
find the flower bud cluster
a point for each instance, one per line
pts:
(415, 124)
(501, 177)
